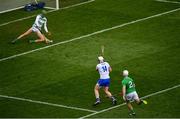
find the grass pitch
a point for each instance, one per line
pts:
(65, 74)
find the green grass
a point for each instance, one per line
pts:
(65, 74)
(153, 109)
(13, 108)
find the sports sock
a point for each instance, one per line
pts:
(14, 40)
(112, 97)
(132, 112)
(97, 99)
(140, 102)
(32, 41)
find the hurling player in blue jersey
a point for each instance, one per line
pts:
(104, 69)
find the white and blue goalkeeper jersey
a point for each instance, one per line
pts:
(39, 22)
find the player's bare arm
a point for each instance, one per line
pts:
(124, 92)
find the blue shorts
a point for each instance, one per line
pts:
(103, 82)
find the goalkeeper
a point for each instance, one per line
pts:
(40, 21)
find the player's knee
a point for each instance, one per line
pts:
(106, 91)
(96, 87)
(138, 101)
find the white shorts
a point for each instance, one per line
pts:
(132, 96)
(34, 29)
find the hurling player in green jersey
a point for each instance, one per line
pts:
(129, 92)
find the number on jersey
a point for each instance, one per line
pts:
(104, 68)
(131, 85)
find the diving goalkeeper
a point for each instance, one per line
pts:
(40, 21)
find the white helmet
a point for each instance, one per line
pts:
(101, 59)
(125, 73)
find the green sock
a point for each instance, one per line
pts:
(132, 111)
(32, 41)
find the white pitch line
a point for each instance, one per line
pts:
(88, 35)
(152, 94)
(175, 2)
(82, 3)
(17, 20)
(12, 9)
(46, 103)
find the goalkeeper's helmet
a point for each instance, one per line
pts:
(43, 12)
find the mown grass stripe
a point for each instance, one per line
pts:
(46, 103)
(150, 95)
(91, 34)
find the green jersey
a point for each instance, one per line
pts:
(129, 83)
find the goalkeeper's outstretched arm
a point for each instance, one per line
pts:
(45, 27)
